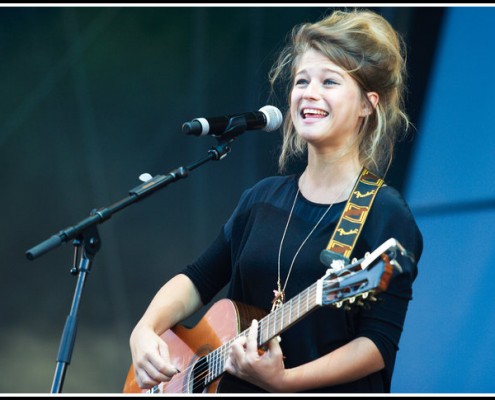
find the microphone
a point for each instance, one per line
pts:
(268, 118)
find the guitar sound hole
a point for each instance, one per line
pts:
(197, 383)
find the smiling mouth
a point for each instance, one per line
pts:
(313, 113)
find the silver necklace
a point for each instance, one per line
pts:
(279, 293)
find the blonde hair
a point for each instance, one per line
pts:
(365, 45)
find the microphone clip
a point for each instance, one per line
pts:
(237, 125)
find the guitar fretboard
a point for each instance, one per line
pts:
(269, 327)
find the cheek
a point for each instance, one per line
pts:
(350, 104)
(294, 101)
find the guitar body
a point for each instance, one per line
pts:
(221, 323)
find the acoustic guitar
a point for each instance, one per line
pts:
(200, 353)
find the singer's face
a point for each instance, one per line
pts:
(326, 103)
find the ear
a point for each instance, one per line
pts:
(373, 99)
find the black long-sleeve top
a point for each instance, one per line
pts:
(245, 254)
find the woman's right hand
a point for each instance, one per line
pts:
(150, 358)
(175, 301)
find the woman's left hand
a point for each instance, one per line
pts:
(262, 368)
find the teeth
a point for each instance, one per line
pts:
(313, 111)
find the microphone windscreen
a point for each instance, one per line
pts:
(273, 116)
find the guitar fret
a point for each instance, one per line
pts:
(210, 362)
(298, 308)
(275, 319)
(216, 367)
(213, 367)
(215, 361)
(265, 329)
(288, 308)
(282, 321)
(274, 315)
(219, 365)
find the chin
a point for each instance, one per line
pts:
(311, 137)
(312, 132)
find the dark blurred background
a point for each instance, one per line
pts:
(94, 96)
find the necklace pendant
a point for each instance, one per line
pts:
(278, 299)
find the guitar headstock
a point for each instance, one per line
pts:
(360, 279)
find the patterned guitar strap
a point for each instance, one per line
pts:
(352, 220)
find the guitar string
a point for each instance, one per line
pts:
(221, 352)
(203, 367)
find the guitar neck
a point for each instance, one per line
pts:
(269, 327)
(288, 314)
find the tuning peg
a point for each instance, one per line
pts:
(396, 265)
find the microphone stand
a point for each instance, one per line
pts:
(87, 241)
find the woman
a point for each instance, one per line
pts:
(346, 78)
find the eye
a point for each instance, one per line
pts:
(329, 82)
(301, 82)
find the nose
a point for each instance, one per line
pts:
(312, 91)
